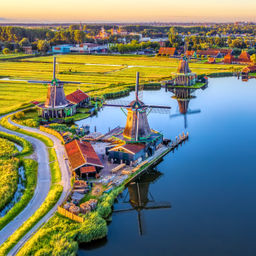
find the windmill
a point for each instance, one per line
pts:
(56, 104)
(141, 199)
(137, 127)
(183, 96)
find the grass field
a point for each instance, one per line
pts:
(99, 74)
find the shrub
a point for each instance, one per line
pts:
(7, 148)
(6, 51)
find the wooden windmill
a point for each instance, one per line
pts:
(137, 127)
(56, 101)
(140, 198)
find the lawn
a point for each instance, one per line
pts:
(98, 74)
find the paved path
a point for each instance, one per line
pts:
(43, 185)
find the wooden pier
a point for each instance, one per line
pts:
(157, 157)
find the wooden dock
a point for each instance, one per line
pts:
(157, 157)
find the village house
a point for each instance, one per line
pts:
(167, 51)
(78, 98)
(244, 57)
(190, 54)
(229, 59)
(83, 158)
(209, 53)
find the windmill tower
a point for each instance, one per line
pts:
(56, 104)
(137, 127)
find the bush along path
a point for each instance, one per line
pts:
(47, 196)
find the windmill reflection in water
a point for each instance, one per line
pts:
(141, 199)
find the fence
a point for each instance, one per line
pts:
(53, 132)
(70, 215)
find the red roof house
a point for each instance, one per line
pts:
(210, 52)
(228, 59)
(190, 53)
(244, 57)
(167, 51)
(78, 97)
(81, 154)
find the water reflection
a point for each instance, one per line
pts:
(183, 97)
(139, 198)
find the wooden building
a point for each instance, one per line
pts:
(167, 51)
(244, 57)
(184, 76)
(78, 98)
(229, 59)
(56, 104)
(83, 158)
(215, 53)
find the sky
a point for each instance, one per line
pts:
(127, 10)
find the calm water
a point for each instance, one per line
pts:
(210, 181)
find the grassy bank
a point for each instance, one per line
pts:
(5, 123)
(61, 236)
(9, 180)
(31, 179)
(51, 199)
(27, 147)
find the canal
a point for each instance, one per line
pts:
(209, 182)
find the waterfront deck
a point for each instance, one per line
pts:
(154, 160)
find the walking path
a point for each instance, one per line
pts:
(43, 184)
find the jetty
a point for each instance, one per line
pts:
(157, 157)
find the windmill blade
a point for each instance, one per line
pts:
(157, 205)
(130, 209)
(158, 111)
(38, 82)
(175, 115)
(157, 106)
(137, 86)
(141, 223)
(69, 82)
(114, 105)
(196, 111)
(118, 102)
(54, 68)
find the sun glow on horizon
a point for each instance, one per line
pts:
(113, 10)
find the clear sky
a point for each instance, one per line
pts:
(127, 10)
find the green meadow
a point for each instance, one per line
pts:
(98, 74)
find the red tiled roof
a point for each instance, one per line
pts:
(81, 153)
(211, 52)
(77, 97)
(244, 56)
(189, 53)
(87, 169)
(167, 50)
(134, 148)
(222, 51)
(211, 60)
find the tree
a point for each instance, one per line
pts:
(6, 51)
(253, 58)
(79, 36)
(43, 45)
(24, 42)
(174, 39)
